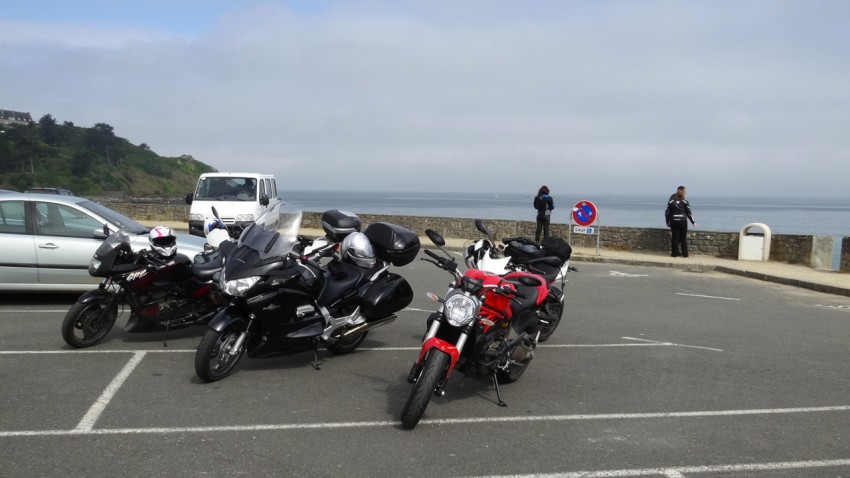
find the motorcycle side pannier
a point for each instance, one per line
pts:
(386, 296)
(392, 243)
(338, 224)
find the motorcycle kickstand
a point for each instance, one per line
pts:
(498, 392)
(315, 363)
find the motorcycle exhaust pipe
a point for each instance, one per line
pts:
(365, 326)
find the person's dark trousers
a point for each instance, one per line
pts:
(542, 225)
(680, 236)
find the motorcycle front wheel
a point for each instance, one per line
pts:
(215, 358)
(432, 371)
(87, 324)
(546, 330)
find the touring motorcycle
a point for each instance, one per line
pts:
(550, 259)
(483, 327)
(283, 300)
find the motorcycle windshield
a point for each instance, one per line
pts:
(116, 240)
(273, 234)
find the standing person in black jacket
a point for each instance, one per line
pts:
(677, 215)
(544, 204)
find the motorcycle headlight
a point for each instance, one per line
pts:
(94, 265)
(245, 218)
(460, 309)
(237, 287)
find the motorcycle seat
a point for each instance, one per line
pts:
(205, 271)
(527, 302)
(548, 267)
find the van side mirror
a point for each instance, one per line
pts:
(189, 198)
(264, 200)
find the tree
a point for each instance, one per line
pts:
(49, 130)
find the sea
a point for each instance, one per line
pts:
(783, 215)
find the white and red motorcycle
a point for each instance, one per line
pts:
(550, 259)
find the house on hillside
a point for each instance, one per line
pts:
(14, 117)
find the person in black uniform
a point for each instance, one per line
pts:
(677, 215)
(544, 204)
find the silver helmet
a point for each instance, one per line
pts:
(356, 248)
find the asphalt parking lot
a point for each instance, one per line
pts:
(654, 372)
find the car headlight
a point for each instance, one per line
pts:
(196, 217)
(237, 287)
(461, 309)
(244, 218)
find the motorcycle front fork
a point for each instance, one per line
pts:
(237, 346)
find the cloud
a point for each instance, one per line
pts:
(593, 96)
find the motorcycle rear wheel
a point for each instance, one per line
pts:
(546, 331)
(432, 371)
(344, 346)
(87, 324)
(213, 360)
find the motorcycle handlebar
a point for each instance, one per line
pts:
(433, 256)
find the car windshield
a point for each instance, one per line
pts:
(274, 233)
(226, 188)
(117, 219)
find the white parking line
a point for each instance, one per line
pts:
(446, 422)
(679, 472)
(671, 344)
(706, 296)
(87, 423)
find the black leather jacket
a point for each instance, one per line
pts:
(678, 210)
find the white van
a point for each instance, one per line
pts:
(239, 199)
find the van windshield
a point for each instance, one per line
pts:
(213, 188)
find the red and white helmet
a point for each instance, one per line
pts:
(163, 241)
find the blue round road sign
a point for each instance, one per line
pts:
(584, 213)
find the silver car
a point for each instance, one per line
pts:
(47, 241)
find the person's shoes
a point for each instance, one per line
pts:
(675, 255)
(685, 255)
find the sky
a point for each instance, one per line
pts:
(727, 97)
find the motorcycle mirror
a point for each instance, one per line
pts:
(435, 237)
(479, 224)
(215, 213)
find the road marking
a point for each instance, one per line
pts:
(448, 421)
(706, 296)
(31, 311)
(679, 472)
(87, 423)
(84, 352)
(834, 307)
(671, 344)
(626, 274)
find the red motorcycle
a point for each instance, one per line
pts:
(484, 327)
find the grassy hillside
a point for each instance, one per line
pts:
(90, 162)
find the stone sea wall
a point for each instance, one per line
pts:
(813, 251)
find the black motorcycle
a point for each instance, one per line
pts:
(284, 301)
(162, 293)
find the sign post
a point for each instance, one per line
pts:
(585, 215)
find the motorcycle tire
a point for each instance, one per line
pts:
(432, 371)
(213, 360)
(342, 347)
(87, 324)
(546, 330)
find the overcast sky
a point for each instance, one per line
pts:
(724, 96)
